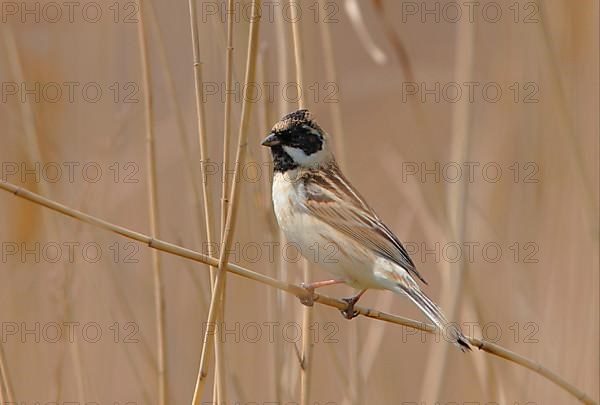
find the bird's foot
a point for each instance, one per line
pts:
(349, 312)
(309, 298)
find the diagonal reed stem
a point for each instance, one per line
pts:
(297, 291)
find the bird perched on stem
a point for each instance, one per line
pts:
(317, 208)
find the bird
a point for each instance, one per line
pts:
(316, 206)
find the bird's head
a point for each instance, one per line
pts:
(298, 141)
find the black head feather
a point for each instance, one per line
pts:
(297, 130)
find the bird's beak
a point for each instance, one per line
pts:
(271, 140)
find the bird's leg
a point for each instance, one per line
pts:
(349, 312)
(308, 300)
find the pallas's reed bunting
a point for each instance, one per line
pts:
(316, 204)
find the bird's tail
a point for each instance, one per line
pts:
(433, 312)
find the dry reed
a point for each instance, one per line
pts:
(558, 129)
(296, 290)
(220, 373)
(306, 354)
(354, 341)
(234, 204)
(159, 300)
(202, 141)
(200, 121)
(457, 202)
(283, 267)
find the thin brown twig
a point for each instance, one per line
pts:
(159, 300)
(234, 204)
(297, 291)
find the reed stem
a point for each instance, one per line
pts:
(159, 300)
(296, 290)
(234, 204)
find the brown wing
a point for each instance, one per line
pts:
(331, 199)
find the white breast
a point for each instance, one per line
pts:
(318, 242)
(286, 202)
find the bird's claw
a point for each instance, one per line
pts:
(309, 298)
(349, 312)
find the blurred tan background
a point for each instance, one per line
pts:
(513, 235)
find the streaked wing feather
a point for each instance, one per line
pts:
(333, 200)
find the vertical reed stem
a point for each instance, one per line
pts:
(354, 341)
(200, 118)
(286, 381)
(234, 204)
(456, 208)
(159, 303)
(274, 310)
(6, 389)
(202, 133)
(307, 312)
(220, 373)
(188, 160)
(331, 77)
